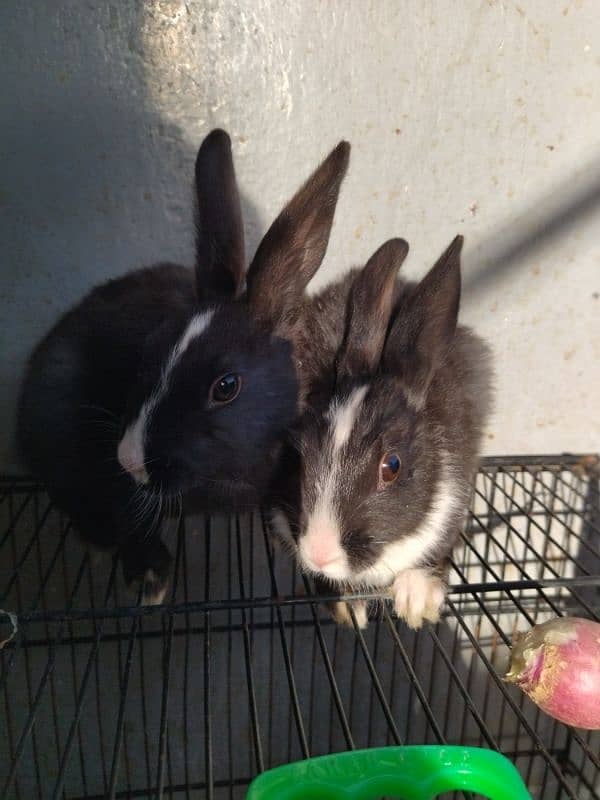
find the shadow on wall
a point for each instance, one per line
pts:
(554, 214)
(94, 181)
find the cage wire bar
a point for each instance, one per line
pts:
(243, 670)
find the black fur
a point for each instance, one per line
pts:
(90, 376)
(200, 446)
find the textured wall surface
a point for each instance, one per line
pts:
(475, 117)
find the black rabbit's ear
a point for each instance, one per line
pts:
(425, 324)
(370, 306)
(295, 244)
(220, 256)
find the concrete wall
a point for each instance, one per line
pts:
(474, 117)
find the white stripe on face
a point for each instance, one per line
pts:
(320, 548)
(409, 551)
(130, 451)
(196, 327)
(342, 417)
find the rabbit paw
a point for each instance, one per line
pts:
(418, 596)
(341, 613)
(147, 564)
(154, 588)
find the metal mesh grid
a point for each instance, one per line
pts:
(243, 670)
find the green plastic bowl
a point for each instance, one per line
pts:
(419, 772)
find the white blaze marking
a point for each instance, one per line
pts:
(196, 327)
(342, 417)
(130, 451)
(406, 553)
(321, 548)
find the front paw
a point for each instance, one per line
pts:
(154, 588)
(418, 596)
(340, 611)
(147, 564)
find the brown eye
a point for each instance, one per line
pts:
(389, 469)
(225, 389)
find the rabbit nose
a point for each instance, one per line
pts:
(324, 561)
(321, 546)
(139, 474)
(322, 557)
(131, 455)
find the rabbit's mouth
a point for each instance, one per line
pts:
(335, 570)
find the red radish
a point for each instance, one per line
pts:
(557, 664)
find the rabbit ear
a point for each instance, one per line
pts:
(369, 310)
(295, 244)
(219, 230)
(425, 324)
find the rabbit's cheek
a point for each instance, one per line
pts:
(440, 521)
(131, 450)
(282, 528)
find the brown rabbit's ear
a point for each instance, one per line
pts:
(295, 244)
(370, 306)
(220, 256)
(424, 324)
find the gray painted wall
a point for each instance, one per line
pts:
(480, 117)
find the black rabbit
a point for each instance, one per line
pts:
(169, 381)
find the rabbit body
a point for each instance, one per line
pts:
(171, 381)
(380, 474)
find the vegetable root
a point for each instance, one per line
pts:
(557, 664)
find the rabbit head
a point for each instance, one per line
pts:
(217, 389)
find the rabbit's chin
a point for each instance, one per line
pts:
(227, 496)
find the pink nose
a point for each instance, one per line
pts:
(321, 558)
(135, 469)
(130, 455)
(321, 549)
(322, 561)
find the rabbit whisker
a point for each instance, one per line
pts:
(102, 410)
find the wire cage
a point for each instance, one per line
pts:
(242, 669)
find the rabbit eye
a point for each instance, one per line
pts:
(389, 469)
(225, 389)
